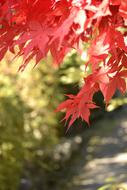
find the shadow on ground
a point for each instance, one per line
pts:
(104, 159)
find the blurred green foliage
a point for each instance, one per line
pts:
(29, 125)
(28, 121)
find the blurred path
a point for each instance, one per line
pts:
(106, 155)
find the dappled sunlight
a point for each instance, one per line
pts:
(106, 156)
(121, 159)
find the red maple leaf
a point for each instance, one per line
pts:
(115, 82)
(58, 26)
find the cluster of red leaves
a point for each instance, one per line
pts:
(38, 27)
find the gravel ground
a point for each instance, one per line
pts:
(104, 159)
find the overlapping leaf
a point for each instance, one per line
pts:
(38, 27)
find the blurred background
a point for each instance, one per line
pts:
(36, 153)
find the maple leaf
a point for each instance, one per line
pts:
(63, 30)
(116, 82)
(99, 49)
(123, 8)
(76, 107)
(57, 26)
